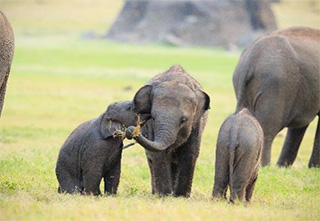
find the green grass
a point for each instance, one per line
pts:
(58, 81)
(55, 86)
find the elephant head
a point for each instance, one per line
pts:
(117, 116)
(175, 109)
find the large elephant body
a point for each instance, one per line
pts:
(6, 55)
(178, 107)
(278, 80)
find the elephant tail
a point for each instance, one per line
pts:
(233, 144)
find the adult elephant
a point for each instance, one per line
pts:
(178, 107)
(278, 80)
(6, 55)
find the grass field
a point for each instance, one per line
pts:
(58, 81)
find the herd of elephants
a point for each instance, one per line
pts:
(277, 85)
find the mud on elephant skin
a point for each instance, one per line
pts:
(238, 155)
(93, 151)
(178, 107)
(278, 79)
(6, 55)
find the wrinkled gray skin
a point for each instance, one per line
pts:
(91, 152)
(278, 80)
(238, 156)
(178, 107)
(6, 55)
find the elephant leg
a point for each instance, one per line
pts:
(68, 176)
(161, 172)
(68, 184)
(266, 152)
(184, 176)
(237, 191)
(174, 172)
(112, 178)
(149, 130)
(315, 156)
(270, 131)
(291, 146)
(270, 118)
(250, 188)
(238, 186)
(244, 168)
(187, 156)
(152, 176)
(221, 176)
(91, 181)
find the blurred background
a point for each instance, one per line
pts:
(177, 22)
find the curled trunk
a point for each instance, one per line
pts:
(164, 138)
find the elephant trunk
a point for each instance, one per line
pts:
(164, 138)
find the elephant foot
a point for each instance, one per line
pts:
(314, 165)
(284, 163)
(181, 195)
(162, 194)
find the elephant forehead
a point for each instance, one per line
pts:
(174, 89)
(172, 103)
(120, 110)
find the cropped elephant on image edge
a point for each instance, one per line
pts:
(6, 55)
(278, 79)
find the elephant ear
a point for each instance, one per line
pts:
(142, 100)
(203, 103)
(108, 127)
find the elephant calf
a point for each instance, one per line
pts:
(238, 156)
(93, 151)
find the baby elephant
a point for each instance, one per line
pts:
(93, 151)
(238, 154)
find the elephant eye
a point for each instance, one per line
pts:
(183, 120)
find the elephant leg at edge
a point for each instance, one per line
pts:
(4, 75)
(111, 179)
(291, 146)
(315, 156)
